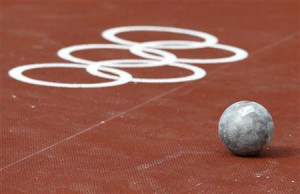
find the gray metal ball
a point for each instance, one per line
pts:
(246, 128)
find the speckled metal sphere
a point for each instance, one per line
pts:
(246, 128)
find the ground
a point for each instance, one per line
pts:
(146, 137)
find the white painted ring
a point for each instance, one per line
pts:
(17, 73)
(198, 73)
(238, 54)
(111, 35)
(166, 57)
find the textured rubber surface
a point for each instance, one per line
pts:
(147, 137)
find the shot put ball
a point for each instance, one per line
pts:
(246, 128)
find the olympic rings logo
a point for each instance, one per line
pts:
(152, 52)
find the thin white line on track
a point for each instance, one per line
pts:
(286, 38)
(258, 51)
(94, 126)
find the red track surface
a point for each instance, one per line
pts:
(155, 137)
